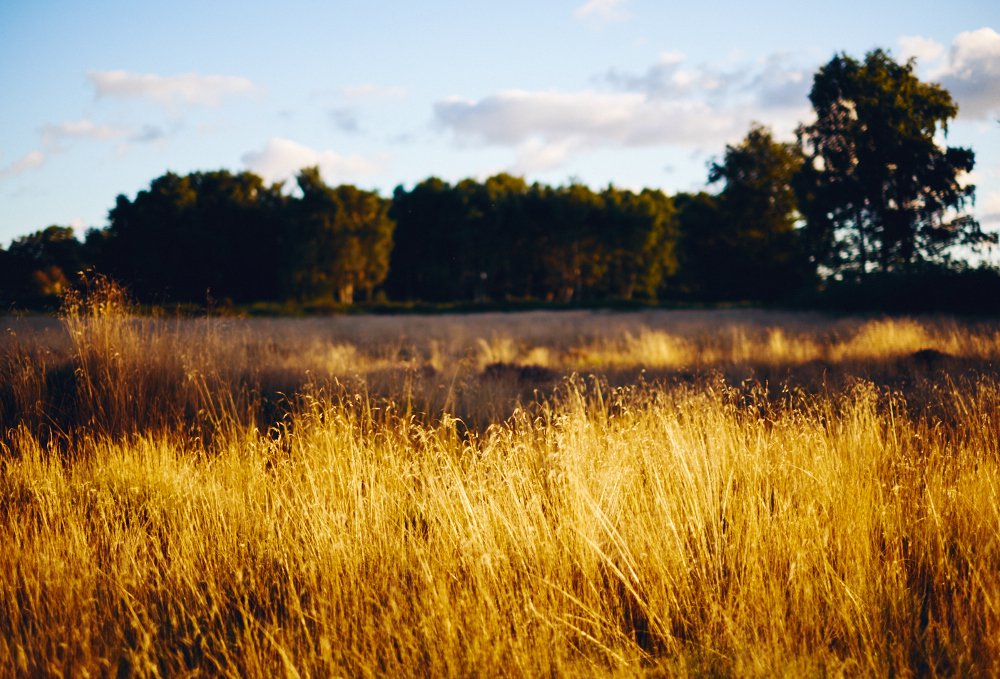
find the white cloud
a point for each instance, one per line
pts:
(169, 91)
(969, 70)
(773, 82)
(29, 161)
(973, 72)
(925, 50)
(602, 11)
(779, 84)
(281, 159)
(547, 127)
(370, 91)
(668, 105)
(538, 155)
(665, 78)
(53, 134)
(622, 118)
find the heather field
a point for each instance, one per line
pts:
(662, 493)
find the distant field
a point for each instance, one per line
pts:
(540, 493)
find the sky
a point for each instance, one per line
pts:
(99, 98)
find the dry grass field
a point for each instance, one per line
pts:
(535, 494)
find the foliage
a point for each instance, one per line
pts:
(426, 260)
(743, 243)
(918, 289)
(203, 236)
(44, 263)
(503, 239)
(343, 237)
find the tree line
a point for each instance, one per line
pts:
(865, 189)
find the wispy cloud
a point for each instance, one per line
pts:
(29, 161)
(54, 134)
(626, 118)
(602, 11)
(149, 133)
(56, 137)
(169, 91)
(372, 91)
(772, 82)
(281, 159)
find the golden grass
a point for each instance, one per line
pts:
(181, 516)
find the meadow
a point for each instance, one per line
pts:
(662, 493)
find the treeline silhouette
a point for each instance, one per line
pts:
(864, 205)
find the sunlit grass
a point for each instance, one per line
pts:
(282, 501)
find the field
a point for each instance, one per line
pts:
(536, 494)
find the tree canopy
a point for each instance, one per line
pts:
(878, 190)
(196, 237)
(503, 239)
(342, 239)
(43, 263)
(743, 243)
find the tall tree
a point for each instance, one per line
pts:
(877, 190)
(426, 261)
(703, 253)
(342, 241)
(757, 244)
(640, 237)
(574, 259)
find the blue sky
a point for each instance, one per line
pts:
(99, 98)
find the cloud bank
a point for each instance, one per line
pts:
(670, 104)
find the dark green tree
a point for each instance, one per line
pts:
(206, 235)
(427, 259)
(44, 263)
(241, 223)
(492, 237)
(152, 247)
(703, 252)
(877, 191)
(573, 255)
(756, 253)
(343, 239)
